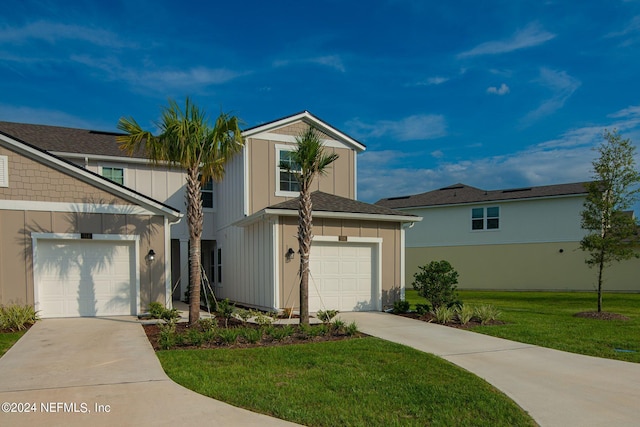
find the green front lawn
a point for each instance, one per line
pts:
(7, 339)
(358, 382)
(547, 319)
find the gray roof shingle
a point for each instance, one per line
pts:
(460, 193)
(66, 140)
(324, 202)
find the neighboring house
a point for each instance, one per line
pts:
(514, 239)
(249, 246)
(74, 243)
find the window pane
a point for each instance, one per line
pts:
(207, 199)
(477, 213)
(477, 224)
(493, 212)
(493, 224)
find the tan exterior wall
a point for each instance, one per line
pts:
(297, 129)
(16, 249)
(33, 181)
(533, 266)
(339, 180)
(391, 253)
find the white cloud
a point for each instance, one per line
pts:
(562, 86)
(412, 128)
(43, 116)
(502, 90)
(531, 35)
(438, 154)
(53, 32)
(633, 28)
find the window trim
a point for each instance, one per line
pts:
(4, 171)
(103, 167)
(280, 193)
(485, 218)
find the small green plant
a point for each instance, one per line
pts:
(167, 338)
(228, 336)
(251, 335)
(337, 326)
(208, 324)
(262, 318)
(325, 316)
(226, 309)
(444, 314)
(278, 334)
(159, 311)
(465, 314)
(486, 313)
(436, 282)
(351, 329)
(195, 337)
(401, 306)
(243, 315)
(423, 309)
(17, 317)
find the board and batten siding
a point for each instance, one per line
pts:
(230, 193)
(248, 264)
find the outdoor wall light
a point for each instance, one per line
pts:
(151, 255)
(290, 254)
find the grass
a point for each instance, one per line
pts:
(8, 339)
(358, 382)
(547, 319)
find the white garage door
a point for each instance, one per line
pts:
(84, 278)
(342, 277)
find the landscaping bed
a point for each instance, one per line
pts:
(431, 318)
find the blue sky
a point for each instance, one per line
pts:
(494, 94)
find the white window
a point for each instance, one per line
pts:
(485, 218)
(218, 278)
(4, 171)
(206, 193)
(114, 174)
(286, 182)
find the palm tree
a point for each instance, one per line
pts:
(187, 140)
(308, 160)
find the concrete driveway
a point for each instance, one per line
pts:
(556, 388)
(102, 372)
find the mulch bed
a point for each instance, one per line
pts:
(430, 318)
(153, 334)
(602, 315)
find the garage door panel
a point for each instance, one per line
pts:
(85, 278)
(342, 277)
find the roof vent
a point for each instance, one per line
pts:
(99, 132)
(399, 198)
(453, 187)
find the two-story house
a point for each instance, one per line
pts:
(513, 239)
(249, 241)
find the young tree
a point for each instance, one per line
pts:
(186, 140)
(611, 230)
(307, 161)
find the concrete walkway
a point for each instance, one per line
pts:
(556, 388)
(102, 372)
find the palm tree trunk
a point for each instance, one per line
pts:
(194, 221)
(304, 241)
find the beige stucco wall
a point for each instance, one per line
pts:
(32, 181)
(339, 180)
(533, 266)
(391, 252)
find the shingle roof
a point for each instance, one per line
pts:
(66, 140)
(460, 193)
(324, 202)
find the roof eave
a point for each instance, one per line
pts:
(269, 212)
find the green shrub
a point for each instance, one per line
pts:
(208, 324)
(436, 282)
(226, 309)
(423, 309)
(17, 317)
(228, 335)
(251, 335)
(159, 311)
(486, 313)
(243, 314)
(444, 314)
(465, 314)
(326, 315)
(337, 326)
(281, 333)
(263, 319)
(401, 306)
(351, 329)
(168, 334)
(195, 337)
